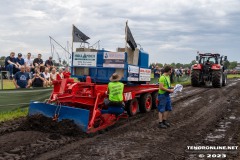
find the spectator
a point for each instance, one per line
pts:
(47, 77)
(66, 73)
(178, 73)
(60, 72)
(38, 61)
(188, 72)
(49, 62)
(156, 72)
(42, 68)
(29, 62)
(19, 61)
(181, 71)
(21, 79)
(10, 64)
(161, 71)
(28, 71)
(53, 74)
(38, 79)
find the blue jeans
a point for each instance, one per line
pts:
(10, 69)
(164, 103)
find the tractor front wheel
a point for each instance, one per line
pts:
(145, 103)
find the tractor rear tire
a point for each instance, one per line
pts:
(132, 107)
(154, 100)
(195, 78)
(217, 79)
(224, 82)
(145, 103)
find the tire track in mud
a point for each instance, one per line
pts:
(39, 143)
(225, 132)
(10, 126)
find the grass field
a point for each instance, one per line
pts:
(21, 112)
(7, 84)
(233, 76)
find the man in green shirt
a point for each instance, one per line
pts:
(115, 91)
(164, 106)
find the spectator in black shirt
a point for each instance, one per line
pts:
(38, 79)
(49, 63)
(38, 61)
(10, 64)
(156, 72)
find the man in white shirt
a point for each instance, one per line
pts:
(29, 62)
(47, 77)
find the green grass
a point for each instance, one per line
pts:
(230, 76)
(6, 116)
(7, 84)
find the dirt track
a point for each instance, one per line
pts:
(201, 116)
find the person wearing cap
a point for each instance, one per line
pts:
(115, 91)
(10, 64)
(20, 61)
(49, 62)
(38, 61)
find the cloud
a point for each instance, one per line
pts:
(171, 31)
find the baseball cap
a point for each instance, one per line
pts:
(20, 54)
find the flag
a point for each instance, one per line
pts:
(129, 38)
(78, 36)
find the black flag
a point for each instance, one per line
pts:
(78, 36)
(129, 38)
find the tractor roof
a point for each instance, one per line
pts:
(210, 54)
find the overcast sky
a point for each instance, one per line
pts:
(170, 31)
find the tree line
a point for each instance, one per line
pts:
(227, 64)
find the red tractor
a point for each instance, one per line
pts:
(209, 70)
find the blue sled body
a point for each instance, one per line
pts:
(78, 115)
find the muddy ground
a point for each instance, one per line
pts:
(201, 116)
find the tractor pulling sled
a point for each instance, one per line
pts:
(209, 70)
(83, 102)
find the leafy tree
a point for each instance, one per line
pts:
(159, 65)
(178, 65)
(193, 62)
(233, 65)
(173, 65)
